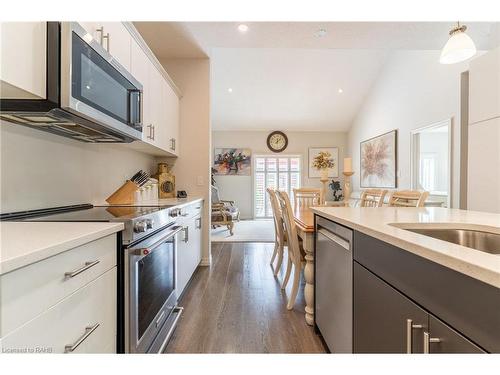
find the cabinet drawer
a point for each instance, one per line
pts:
(192, 210)
(65, 323)
(31, 290)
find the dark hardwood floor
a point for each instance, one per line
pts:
(236, 306)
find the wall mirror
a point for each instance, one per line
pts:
(431, 161)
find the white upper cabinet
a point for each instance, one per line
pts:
(118, 42)
(114, 37)
(23, 77)
(154, 129)
(484, 161)
(160, 116)
(484, 87)
(171, 103)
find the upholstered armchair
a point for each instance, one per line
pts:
(223, 212)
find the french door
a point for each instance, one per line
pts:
(276, 172)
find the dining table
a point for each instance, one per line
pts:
(304, 223)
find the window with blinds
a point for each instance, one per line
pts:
(276, 172)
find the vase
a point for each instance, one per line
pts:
(324, 174)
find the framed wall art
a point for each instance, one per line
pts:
(334, 154)
(232, 161)
(378, 161)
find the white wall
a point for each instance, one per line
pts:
(240, 188)
(40, 170)
(192, 168)
(413, 90)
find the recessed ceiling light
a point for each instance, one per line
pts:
(320, 33)
(340, 91)
(243, 28)
(230, 90)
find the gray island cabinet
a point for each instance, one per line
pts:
(404, 303)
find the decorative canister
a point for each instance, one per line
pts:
(166, 181)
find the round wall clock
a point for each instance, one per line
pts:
(277, 141)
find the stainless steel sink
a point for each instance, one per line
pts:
(482, 241)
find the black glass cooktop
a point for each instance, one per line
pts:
(84, 213)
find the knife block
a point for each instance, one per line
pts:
(124, 195)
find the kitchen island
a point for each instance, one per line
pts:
(406, 287)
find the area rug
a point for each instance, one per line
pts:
(245, 231)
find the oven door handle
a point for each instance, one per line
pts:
(144, 251)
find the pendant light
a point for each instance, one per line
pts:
(459, 47)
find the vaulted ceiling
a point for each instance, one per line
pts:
(287, 75)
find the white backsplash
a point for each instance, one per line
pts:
(40, 170)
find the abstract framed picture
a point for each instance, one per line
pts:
(232, 161)
(314, 151)
(378, 159)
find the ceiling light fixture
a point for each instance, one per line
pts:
(459, 47)
(230, 90)
(341, 91)
(320, 33)
(243, 28)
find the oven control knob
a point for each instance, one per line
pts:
(140, 226)
(149, 223)
(174, 212)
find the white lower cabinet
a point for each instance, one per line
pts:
(84, 322)
(63, 304)
(31, 290)
(189, 250)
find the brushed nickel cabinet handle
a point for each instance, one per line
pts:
(100, 30)
(186, 234)
(409, 334)
(198, 223)
(428, 340)
(107, 41)
(80, 270)
(88, 332)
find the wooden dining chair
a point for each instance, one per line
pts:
(372, 198)
(408, 198)
(306, 197)
(295, 255)
(279, 231)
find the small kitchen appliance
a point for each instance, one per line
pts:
(90, 97)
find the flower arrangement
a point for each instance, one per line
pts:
(323, 160)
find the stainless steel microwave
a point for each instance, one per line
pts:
(90, 97)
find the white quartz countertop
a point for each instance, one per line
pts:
(24, 243)
(386, 223)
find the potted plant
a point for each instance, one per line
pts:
(323, 162)
(337, 190)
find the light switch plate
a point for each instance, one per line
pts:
(199, 181)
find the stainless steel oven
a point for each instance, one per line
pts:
(90, 96)
(151, 310)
